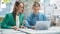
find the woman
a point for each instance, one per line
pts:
(35, 16)
(14, 20)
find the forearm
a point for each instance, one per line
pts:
(27, 24)
(6, 26)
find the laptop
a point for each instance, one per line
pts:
(42, 25)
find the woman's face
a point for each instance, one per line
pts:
(20, 8)
(36, 9)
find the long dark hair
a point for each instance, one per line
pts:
(15, 9)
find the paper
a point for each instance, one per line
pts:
(58, 5)
(49, 10)
(52, 2)
(3, 5)
(11, 31)
(46, 1)
(6, 1)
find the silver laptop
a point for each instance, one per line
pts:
(42, 25)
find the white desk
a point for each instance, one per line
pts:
(56, 28)
(50, 31)
(0, 32)
(11, 31)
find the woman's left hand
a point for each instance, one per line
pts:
(33, 27)
(22, 26)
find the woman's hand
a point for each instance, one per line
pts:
(14, 27)
(22, 26)
(33, 27)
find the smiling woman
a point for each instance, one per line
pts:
(15, 19)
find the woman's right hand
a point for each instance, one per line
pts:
(14, 27)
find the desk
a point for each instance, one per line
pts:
(56, 28)
(10, 31)
(49, 31)
(52, 30)
(0, 32)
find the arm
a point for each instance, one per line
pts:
(5, 22)
(23, 20)
(27, 21)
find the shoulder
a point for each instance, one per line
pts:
(41, 14)
(30, 15)
(9, 14)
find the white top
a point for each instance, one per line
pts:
(17, 21)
